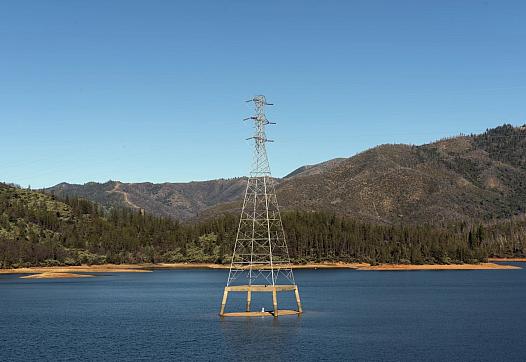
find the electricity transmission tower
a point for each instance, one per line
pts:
(260, 261)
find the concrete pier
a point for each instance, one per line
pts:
(249, 289)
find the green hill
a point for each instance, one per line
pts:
(39, 229)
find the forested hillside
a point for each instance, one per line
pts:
(468, 178)
(38, 229)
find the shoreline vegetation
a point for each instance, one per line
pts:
(38, 230)
(520, 260)
(73, 271)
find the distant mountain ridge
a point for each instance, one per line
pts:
(314, 169)
(176, 200)
(459, 178)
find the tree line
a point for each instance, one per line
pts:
(39, 229)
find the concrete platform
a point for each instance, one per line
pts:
(281, 312)
(249, 289)
(261, 288)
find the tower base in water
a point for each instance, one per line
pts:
(249, 289)
(260, 259)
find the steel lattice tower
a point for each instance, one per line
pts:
(260, 261)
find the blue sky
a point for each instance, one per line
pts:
(154, 90)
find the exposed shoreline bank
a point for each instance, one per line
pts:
(71, 271)
(54, 275)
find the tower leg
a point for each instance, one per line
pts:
(249, 299)
(275, 302)
(223, 303)
(298, 301)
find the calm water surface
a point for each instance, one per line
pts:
(349, 315)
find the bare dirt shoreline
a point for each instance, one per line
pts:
(70, 271)
(52, 275)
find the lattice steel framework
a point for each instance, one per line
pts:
(260, 253)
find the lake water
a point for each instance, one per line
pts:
(349, 315)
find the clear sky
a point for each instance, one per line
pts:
(154, 90)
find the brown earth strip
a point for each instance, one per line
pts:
(117, 189)
(142, 268)
(105, 268)
(51, 275)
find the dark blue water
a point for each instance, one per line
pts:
(349, 315)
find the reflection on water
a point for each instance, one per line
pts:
(261, 337)
(233, 327)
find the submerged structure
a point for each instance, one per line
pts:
(260, 260)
